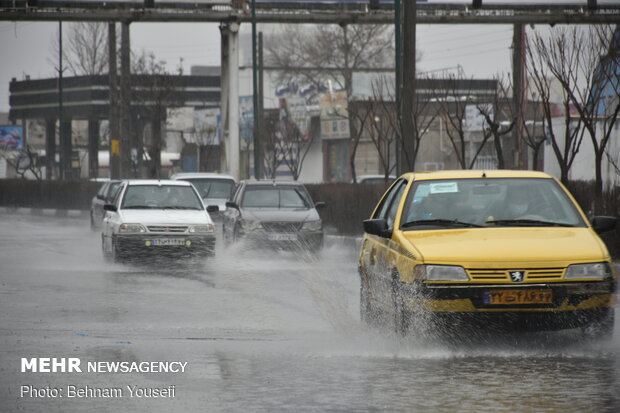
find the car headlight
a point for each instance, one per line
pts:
(594, 271)
(312, 225)
(201, 229)
(440, 273)
(249, 224)
(131, 228)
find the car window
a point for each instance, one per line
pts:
(393, 209)
(213, 188)
(102, 190)
(274, 197)
(383, 209)
(160, 196)
(491, 202)
(112, 191)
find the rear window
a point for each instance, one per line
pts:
(275, 197)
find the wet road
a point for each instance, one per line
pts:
(258, 333)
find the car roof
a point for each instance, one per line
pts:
(472, 173)
(202, 175)
(270, 182)
(162, 182)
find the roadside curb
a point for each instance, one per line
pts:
(48, 212)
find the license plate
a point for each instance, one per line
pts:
(518, 296)
(168, 241)
(282, 237)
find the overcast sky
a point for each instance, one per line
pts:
(482, 51)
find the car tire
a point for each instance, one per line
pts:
(106, 255)
(602, 329)
(401, 317)
(117, 257)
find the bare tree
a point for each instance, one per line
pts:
(420, 118)
(453, 97)
(494, 113)
(25, 161)
(85, 48)
(382, 133)
(154, 91)
(534, 130)
(312, 56)
(294, 146)
(360, 118)
(542, 54)
(586, 67)
(271, 137)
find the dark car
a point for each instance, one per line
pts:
(274, 214)
(105, 195)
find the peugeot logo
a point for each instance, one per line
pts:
(517, 276)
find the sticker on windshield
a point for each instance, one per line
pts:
(444, 188)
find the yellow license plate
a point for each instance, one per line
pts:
(518, 296)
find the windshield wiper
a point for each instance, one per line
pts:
(528, 223)
(139, 207)
(179, 207)
(439, 221)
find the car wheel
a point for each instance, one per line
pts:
(602, 329)
(401, 318)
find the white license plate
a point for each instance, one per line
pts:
(168, 241)
(282, 237)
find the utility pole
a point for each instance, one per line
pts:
(518, 94)
(406, 150)
(113, 115)
(259, 121)
(61, 136)
(398, 26)
(125, 92)
(255, 93)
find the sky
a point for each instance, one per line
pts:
(481, 50)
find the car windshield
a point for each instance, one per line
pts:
(213, 188)
(488, 202)
(275, 197)
(160, 197)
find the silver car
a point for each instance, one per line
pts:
(152, 218)
(215, 189)
(274, 214)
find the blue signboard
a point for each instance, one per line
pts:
(11, 137)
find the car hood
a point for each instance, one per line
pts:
(165, 216)
(220, 202)
(488, 247)
(281, 215)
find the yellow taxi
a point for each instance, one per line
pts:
(502, 249)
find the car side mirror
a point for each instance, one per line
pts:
(110, 207)
(230, 204)
(320, 205)
(377, 227)
(213, 208)
(602, 224)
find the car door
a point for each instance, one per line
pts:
(376, 250)
(110, 219)
(231, 215)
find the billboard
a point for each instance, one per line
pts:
(11, 137)
(334, 115)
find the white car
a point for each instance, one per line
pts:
(215, 189)
(152, 218)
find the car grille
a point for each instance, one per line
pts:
(501, 275)
(167, 228)
(282, 226)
